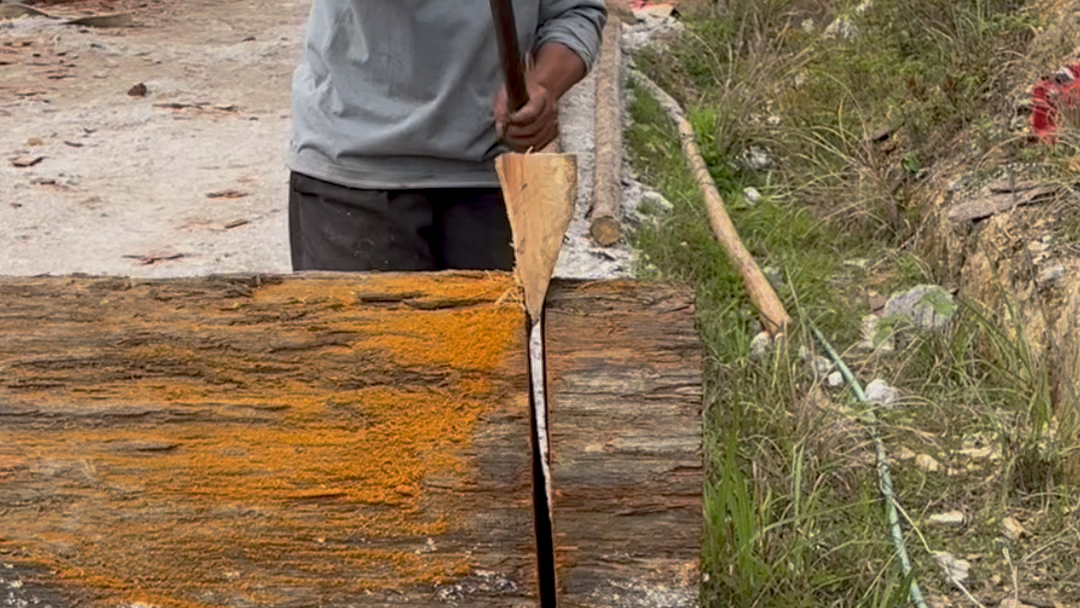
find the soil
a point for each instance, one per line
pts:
(127, 183)
(158, 149)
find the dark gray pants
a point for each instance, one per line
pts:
(334, 227)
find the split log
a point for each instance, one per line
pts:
(339, 440)
(626, 443)
(604, 216)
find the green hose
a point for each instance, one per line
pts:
(884, 476)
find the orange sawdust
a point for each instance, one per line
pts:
(242, 473)
(469, 339)
(485, 286)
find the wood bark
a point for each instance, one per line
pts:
(278, 441)
(774, 317)
(625, 382)
(604, 227)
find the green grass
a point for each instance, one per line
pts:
(793, 511)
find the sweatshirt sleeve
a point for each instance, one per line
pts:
(576, 24)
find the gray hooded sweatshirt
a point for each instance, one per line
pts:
(397, 94)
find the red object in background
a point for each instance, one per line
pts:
(1058, 92)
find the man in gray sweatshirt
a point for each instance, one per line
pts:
(399, 112)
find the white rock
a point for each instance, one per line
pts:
(1051, 274)
(841, 28)
(927, 463)
(822, 366)
(835, 379)
(881, 392)
(928, 307)
(757, 159)
(760, 344)
(956, 570)
(752, 195)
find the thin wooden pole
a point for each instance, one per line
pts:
(607, 200)
(774, 317)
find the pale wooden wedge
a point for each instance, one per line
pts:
(540, 190)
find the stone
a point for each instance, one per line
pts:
(927, 307)
(881, 392)
(1050, 275)
(926, 462)
(760, 344)
(1011, 529)
(822, 366)
(956, 570)
(752, 195)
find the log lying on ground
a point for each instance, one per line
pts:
(774, 317)
(337, 440)
(604, 216)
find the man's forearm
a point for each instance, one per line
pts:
(557, 68)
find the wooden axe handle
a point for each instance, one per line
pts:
(513, 64)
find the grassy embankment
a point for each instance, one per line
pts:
(851, 127)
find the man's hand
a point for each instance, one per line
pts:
(536, 125)
(533, 126)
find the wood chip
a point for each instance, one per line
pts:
(73, 144)
(197, 105)
(951, 518)
(27, 161)
(150, 259)
(16, 10)
(236, 223)
(112, 20)
(227, 194)
(138, 90)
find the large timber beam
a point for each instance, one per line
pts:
(341, 440)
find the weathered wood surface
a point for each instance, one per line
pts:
(625, 399)
(340, 440)
(607, 201)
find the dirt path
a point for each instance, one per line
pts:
(188, 179)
